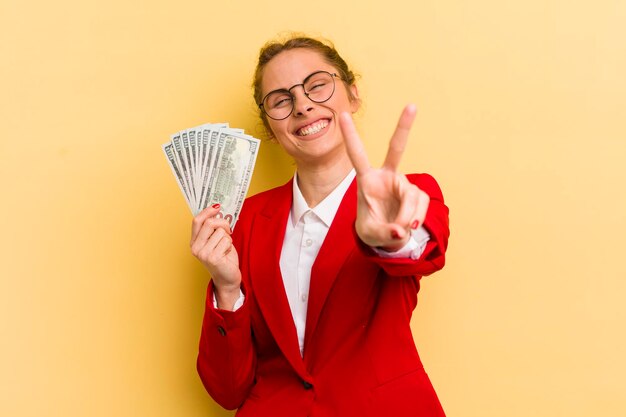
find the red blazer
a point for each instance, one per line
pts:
(359, 355)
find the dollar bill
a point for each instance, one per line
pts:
(180, 157)
(213, 163)
(168, 149)
(233, 166)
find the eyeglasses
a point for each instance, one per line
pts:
(318, 87)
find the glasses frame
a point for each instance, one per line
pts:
(293, 98)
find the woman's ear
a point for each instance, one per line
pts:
(355, 101)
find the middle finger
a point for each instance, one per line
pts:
(400, 137)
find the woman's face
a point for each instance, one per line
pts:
(311, 133)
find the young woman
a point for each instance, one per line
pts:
(309, 305)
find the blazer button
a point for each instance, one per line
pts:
(307, 385)
(221, 330)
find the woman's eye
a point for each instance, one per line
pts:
(281, 101)
(318, 85)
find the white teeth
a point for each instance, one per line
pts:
(313, 128)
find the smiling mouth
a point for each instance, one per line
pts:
(313, 128)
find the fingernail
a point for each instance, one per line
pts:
(415, 224)
(395, 235)
(216, 205)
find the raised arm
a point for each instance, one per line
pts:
(226, 358)
(389, 206)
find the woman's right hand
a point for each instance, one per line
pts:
(212, 245)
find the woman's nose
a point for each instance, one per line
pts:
(302, 104)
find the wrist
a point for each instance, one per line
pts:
(397, 245)
(227, 296)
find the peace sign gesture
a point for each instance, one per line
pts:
(389, 206)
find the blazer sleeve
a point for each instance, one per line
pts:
(226, 358)
(436, 223)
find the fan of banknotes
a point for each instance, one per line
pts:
(213, 163)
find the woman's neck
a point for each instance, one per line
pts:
(317, 181)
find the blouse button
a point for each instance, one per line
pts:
(308, 243)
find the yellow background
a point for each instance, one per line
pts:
(522, 119)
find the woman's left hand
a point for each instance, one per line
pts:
(389, 206)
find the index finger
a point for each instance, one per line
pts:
(354, 146)
(400, 137)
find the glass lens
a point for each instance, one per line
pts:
(319, 86)
(278, 104)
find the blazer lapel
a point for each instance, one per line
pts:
(333, 254)
(266, 279)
